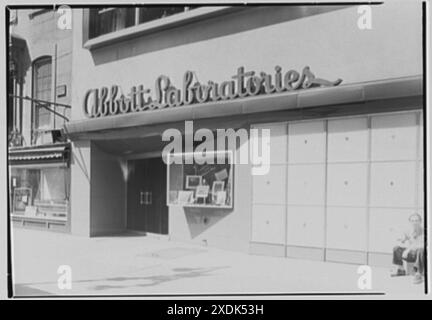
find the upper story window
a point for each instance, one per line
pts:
(11, 109)
(42, 91)
(111, 19)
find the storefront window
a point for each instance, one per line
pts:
(40, 192)
(107, 20)
(193, 183)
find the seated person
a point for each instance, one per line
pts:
(411, 249)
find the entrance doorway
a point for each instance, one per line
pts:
(146, 196)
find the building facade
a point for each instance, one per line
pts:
(343, 105)
(39, 89)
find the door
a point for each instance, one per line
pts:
(146, 196)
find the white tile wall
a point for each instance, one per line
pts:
(349, 183)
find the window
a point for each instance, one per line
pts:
(42, 91)
(40, 192)
(153, 13)
(208, 183)
(107, 20)
(14, 111)
(11, 99)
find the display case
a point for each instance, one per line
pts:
(196, 182)
(40, 193)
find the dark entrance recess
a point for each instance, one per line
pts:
(146, 196)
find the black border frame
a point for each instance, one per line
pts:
(317, 294)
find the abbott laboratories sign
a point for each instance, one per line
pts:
(109, 101)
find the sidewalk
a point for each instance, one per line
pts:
(138, 265)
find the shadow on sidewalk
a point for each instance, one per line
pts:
(22, 290)
(27, 289)
(149, 281)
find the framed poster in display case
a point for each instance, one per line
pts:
(192, 182)
(210, 183)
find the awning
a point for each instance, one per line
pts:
(39, 155)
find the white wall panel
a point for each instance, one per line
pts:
(394, 137)
(420, 182)
(270, 188)
(268, 224)
(348, 140)
(421, 138)
(305, 226)
(347, 184)
(306, 142)
(393, 184)
(346, 228)
(306, 184)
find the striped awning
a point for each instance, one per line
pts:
(37, 157)
(39, 154)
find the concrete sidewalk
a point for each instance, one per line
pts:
(139, 265)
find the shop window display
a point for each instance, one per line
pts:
(192, 183)
(40, 192)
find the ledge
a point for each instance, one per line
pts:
(16, 217)
(204, 206)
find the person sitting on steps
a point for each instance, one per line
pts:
(411, 249)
